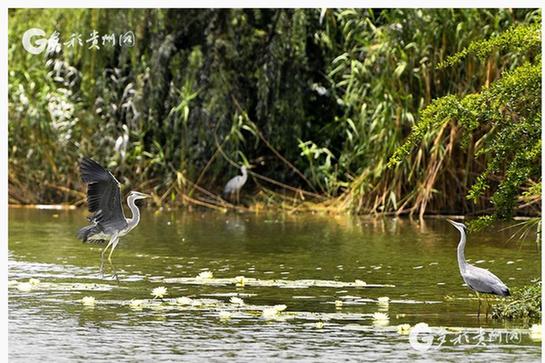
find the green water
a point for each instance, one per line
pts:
(274, 253)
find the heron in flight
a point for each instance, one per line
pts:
(104, 198)
(234, 185)
(476, 278)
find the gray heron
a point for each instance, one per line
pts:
(234, 185)
(476, 278)
(108, 221)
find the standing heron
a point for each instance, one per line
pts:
(234, 185)
(104, 199)
(477, 279)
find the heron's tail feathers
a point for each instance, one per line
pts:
(502, 291)
(88, 231)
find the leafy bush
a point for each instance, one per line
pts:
(524, 303)
(501, 123)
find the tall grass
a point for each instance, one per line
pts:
(316, 100)
(385, 73)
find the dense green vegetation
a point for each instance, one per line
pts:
(509, 112)
(397, 110)
(525, 303)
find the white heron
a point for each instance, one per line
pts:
(104, 199)
(476, 278)
(234, 185)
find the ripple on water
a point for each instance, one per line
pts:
(51, 321)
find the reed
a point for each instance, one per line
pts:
(317, 100)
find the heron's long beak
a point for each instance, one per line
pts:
(450, 221)
(144, 195)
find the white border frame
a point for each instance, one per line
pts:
(188, 4)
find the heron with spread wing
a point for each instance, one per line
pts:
(108, 221)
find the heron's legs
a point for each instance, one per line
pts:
(113, 243)
(102, 255)
(479, 298)
(114, 272)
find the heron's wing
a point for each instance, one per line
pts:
(103, 196)
(484, 281)
(231, 185)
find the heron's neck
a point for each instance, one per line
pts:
(133, 221)
(244, 176)
(461, 246)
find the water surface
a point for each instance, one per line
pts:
(307, 262)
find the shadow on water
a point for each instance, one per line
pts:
(307, 262)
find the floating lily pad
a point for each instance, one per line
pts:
(288, 284)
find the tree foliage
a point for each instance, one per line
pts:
(317, 100)
(507, 113)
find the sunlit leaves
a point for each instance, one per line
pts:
(508, 112)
